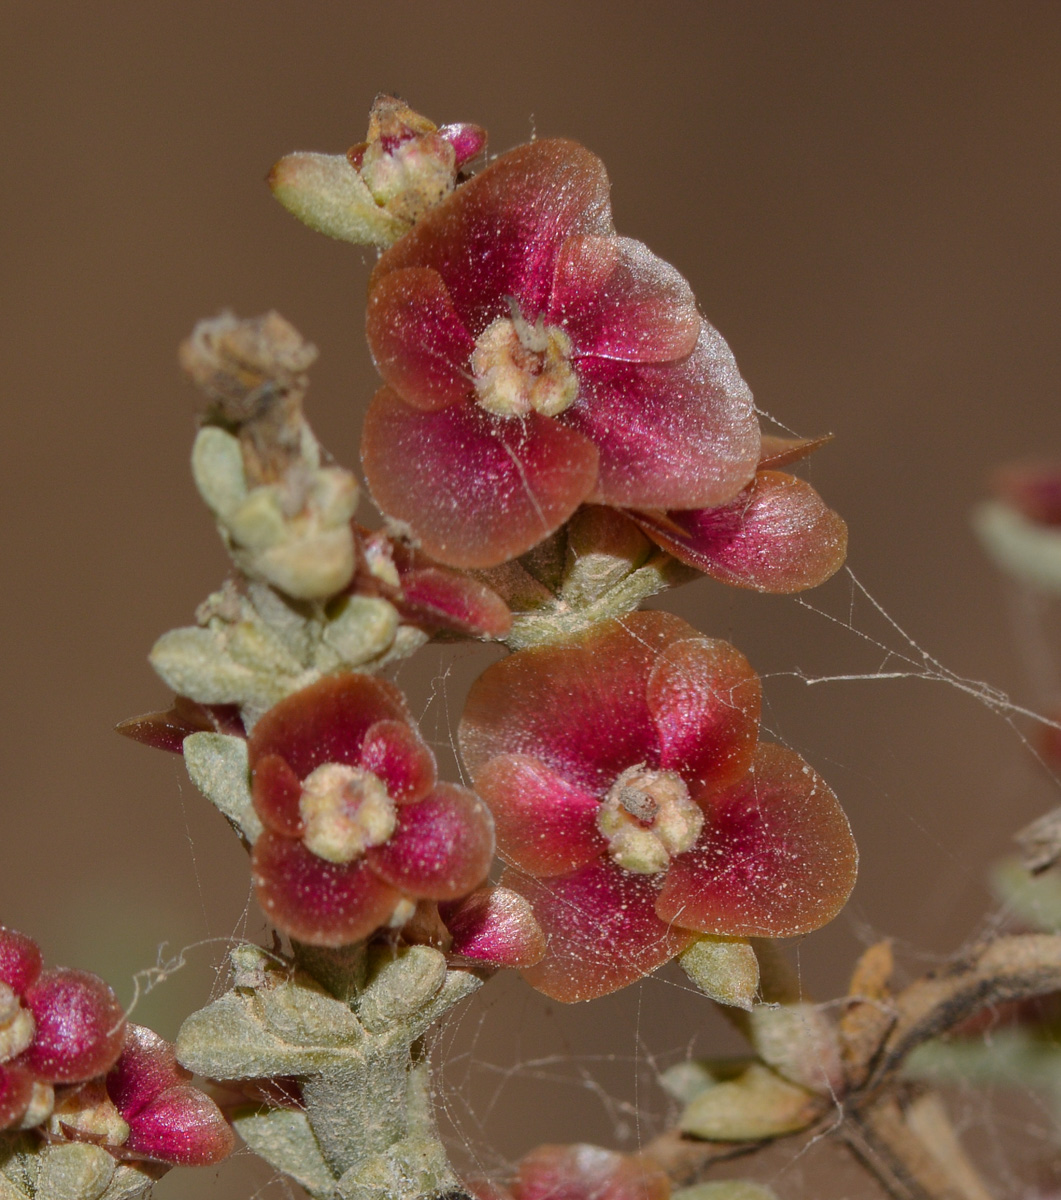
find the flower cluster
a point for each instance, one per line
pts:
(72, 1066)
(638, 808)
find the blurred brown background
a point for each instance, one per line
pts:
(865, 197)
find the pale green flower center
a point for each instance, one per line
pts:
(521, 368)
(647, 818)
(345, 811)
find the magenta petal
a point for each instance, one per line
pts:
(181, 1126)
(616, 299)
(442, 599)
(442, 848)
(578, 707)
(705, 699)
(475, 490)
(419, 344)
(318, 902)
(167, 730)
(147, 1066)
(776, 536)
(395, 753)
(601, 927)
(499, 234)
(775, 859)
(466, 139)
(325, 722)
(20, 959)
(545, 825)
(670, 435)
(496, 926)
(80, 1026)
(16, 1092)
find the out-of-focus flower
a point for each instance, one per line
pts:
(1020, 528)
(377, 190)
(356, 826)
(535, 360)
(580, 1172)
(637, 807)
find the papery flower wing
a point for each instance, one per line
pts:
(475, 490)
(20, 959)
(601, 928)
(494, 925)
(16, 1092)
(705, 699)
(277, 792)
(777, 451)
(584, 1172)
(671, 435)
(147, 1066)
(776, 536)
(545, 825)
(181, 1126)
(419, 344)
(775, 859)
(447, 600)
(578, 707)
(396, 754)
(167, 730)
(325, 722)
(80, 1026)
(616, 299)
(442, 847)
(318, 902)
(499, 234)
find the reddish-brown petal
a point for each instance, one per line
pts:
(475, 490)
(545, 825)
(20, 959)
(318, 902)
(326, 722)
(601, 927)
(399, 756)
(670, 435)
(580, 707)
(80, 1026)
(705, 699)
(181, 1126)
(147, 1067)
(616, 299)
(419, 344)
(446, 600)
(442, 848)
(496, 926)
(499, 234)
(167, 730)
(277, 793)
(776, 857)
(779, 451)
(584, 1172)
(776, 536)
(16, 1092)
